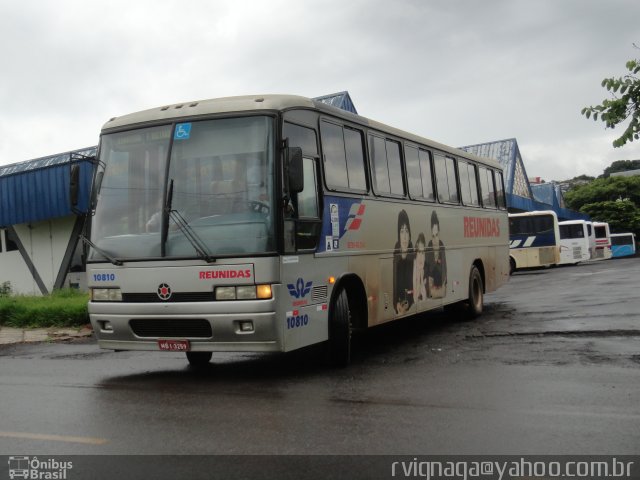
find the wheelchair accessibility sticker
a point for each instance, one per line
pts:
(183, 131)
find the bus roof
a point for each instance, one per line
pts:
(573, 222)
(270, 103)
(535, 213)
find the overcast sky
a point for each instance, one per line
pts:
(459, 72)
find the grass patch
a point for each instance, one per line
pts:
(63, 308)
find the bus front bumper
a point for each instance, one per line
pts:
(238, 332)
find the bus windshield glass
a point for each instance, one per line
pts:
(158, 188)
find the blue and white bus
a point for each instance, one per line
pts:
(623, 245)
(534, 239)
(268, 223)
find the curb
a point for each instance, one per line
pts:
(11, 335)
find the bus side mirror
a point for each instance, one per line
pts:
(74, 185)
(295, 175)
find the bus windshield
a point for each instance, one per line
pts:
(214, 178)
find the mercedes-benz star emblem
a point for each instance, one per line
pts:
(164, 291)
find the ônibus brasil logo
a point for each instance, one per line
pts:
(34, 468)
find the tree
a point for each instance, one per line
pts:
(604, 190)
(622, 215)
(621, 166)
(618, 109)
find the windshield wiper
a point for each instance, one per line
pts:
(193, 238)
(102, 252)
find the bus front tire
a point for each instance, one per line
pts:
(198, 359)
(339, 343)
(475, 303)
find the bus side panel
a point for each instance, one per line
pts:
(304, 307)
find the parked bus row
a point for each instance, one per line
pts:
(538, 239)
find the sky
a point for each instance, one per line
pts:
(460, 72)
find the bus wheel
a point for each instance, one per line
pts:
(475, 302)
(339, 344)
(512, 266)
(198, 359)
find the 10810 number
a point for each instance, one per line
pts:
(297, 321)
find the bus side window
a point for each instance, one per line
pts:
(419, 173)
(343, 156)
(333, 154)
(305, 227)
(412, 159)
(468, 183)
(446, 179)
(308, 198)
(502, 204)
(394, 163)
(379, 168)
(355, 159)
(426, 173)
(488, 189)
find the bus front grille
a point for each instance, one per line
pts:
(175, 297)
(168, 327)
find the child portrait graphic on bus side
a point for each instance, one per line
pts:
(419, 277)
(403, 266)
(436, 264)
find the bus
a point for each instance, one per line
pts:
(266, 224)
(574, 242)
(603, 240)
(623, 245)
(534, 239)
(592, 239)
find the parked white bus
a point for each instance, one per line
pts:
(275, 222)
(574, 242)
(534, 239)
(592, 240)
(623, 244)
(603, 240)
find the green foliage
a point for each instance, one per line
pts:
(604, 190)
(622, 216)
(63, 308)
(621, 166)
(5, 289)
(624, 104)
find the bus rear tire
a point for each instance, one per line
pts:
(475, 303)
(198, 359)
(512, 265)
(339, 344)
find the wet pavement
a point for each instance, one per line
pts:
(552, 367)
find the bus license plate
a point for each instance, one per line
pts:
(174, 345)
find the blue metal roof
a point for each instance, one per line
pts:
(339, 100)
(38, 190)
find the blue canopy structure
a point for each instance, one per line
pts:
(521, 195)
(38, 190)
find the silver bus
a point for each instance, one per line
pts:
(270, 223)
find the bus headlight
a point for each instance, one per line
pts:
(106, 295)
(225, 293)
(244, 292)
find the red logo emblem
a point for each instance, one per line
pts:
(164, 291)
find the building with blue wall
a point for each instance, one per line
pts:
(39, 229)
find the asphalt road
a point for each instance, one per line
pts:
(552, 367)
